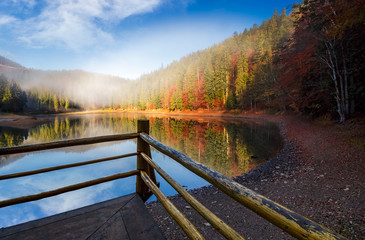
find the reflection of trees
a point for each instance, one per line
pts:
(12, 136)
(59, 129)
(232, 148)
(229, 148)
(78, 127)
(262, 139)
(243, 157)
(216, 155)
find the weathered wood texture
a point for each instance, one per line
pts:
(143, 126)
(94, 225)
(184, 223)
(217, 223)
(291, 222)
(43, 170)
(57, 191)
(121, 218)
(66, 143)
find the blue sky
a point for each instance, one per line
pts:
(124, 38)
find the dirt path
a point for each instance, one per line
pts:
(319, 174)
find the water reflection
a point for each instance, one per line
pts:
(12, 136)
(229, 146)
(232, 147)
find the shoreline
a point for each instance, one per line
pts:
(31, 120)
(299, 178)
(188, 113)
(264, 172)
(21, 121)
(319, 174)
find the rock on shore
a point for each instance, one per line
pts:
(309, 176)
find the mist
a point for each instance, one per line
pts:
(88, 90)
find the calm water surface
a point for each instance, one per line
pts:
(230, 146)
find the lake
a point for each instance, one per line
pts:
(230, 146)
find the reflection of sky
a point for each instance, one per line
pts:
(47, 181)
(245, 139)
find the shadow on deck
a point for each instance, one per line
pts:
(120, 218)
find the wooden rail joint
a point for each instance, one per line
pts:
(146, 185)
(289, 221)
(143, 126)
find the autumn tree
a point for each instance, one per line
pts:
(325, 49)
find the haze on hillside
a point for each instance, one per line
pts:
(63, 45)
(281, 64)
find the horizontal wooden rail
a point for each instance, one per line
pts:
(51, 193)
(216, 222)
(184, 223)
(43, 170)
(291, 222)
(66, 143)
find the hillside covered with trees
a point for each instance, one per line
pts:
(225, 76)
(12, 97)
(310, 61)
(60, 91)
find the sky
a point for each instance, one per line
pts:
(125, 38)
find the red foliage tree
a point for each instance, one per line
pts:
(185, 100)
(168, 99)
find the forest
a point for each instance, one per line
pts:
(309, 61)
(63, 91)
(14, 99)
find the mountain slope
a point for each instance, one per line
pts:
(4, 62)
(86, 89)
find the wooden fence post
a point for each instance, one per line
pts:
(143, 126)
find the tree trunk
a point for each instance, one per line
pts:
(352, 102)
(347, 107)
(332, 63)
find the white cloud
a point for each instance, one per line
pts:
(89, 34)
(72, 200)
(75, 24)
(5, 19)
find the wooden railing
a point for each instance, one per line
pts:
(146, 185)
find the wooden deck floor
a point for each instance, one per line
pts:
(121, 218)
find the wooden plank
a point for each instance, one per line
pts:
(289, 221)
(217, 223)
(114, 228)
(43, 170)
(66, 143)
(138, 222)
(69, 188)
(76, 224)
(175, 213)
(121, 218)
